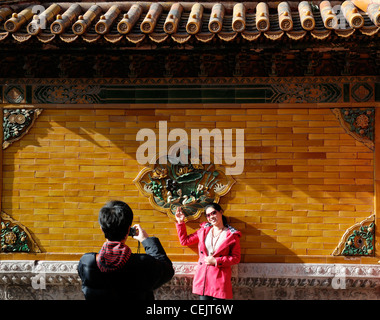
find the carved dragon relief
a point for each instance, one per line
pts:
(187, 185)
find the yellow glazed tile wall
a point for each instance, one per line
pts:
(305, 181)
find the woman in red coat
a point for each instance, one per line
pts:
(219, 249)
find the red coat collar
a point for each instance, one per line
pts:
(232, 233)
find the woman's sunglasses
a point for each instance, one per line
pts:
(213, 213)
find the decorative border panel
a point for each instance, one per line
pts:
(190, 90)
(286, 281)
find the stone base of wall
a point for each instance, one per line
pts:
(58, 280)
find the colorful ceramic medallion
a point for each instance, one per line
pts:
(186, 184)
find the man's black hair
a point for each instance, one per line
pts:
(115, 218)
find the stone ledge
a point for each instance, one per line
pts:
(29, 279)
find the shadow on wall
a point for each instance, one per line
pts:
(256, 246)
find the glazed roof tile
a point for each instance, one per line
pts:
(182, 21)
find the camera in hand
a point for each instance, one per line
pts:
(132, 231)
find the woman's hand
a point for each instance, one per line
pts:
(210, 260)
(179, 215)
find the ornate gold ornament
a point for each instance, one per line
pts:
(189, 185)
(358, 240)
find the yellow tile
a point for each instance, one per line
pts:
(304, 181)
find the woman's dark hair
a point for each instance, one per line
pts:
(115, 218)
(217, 207)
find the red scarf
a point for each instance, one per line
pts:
(113, 256)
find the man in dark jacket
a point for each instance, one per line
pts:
(117, 273)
